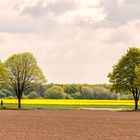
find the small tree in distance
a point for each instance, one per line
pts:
(55, 92)
(21, 72)
(32, 95)
(124, 76)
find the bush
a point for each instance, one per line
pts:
(86, 93)
(10, 97)
(76, 95)
(102, 93)
(68, 96)
(2, 95)
(126, 97)
(55, 92)
(7, 92)
(32, 95)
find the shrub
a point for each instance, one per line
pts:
(55, 92)
(102, 93)
(127, 97)
(2, 95)
(86, 93)
(10, 97)
(32, 95)
(76, 95)
(7, 92)
(68, 96)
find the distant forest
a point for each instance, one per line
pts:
(68, 91)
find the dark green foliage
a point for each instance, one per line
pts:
(76, 91)
(70, 89)
(40, 89)
(55, 92)
(86, 93)
(76, 95)
(2, 95)
(97, 93)
(102, 93)
(7, 92)
(123, 76)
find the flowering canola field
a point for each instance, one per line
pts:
(70, 102)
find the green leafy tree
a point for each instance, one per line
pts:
(2, 95)
(123, 77)
(20, 72)
(7, 92)
(103, 93)
(55, 92)
(71, 88)
(86, 92)
(76, 95)
(137, 72)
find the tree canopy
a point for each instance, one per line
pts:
(124, 77)
(21, 72)
(55, 92)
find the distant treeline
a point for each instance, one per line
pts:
(68, 91)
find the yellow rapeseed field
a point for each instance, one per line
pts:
(70, 102)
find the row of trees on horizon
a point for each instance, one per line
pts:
(68, 91)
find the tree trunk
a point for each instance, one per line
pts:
(19, 103)
(136, 104)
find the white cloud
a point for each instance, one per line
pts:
(87, 11)
(121, 2)
(120, 12)
(74, 41)
(74, 56)
(75, 11)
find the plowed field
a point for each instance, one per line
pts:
(69, 125)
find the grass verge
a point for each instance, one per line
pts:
(62, 107)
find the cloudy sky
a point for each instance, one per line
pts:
(74, 41)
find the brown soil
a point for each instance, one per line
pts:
(69, 125)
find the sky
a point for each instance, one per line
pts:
(74, 41)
